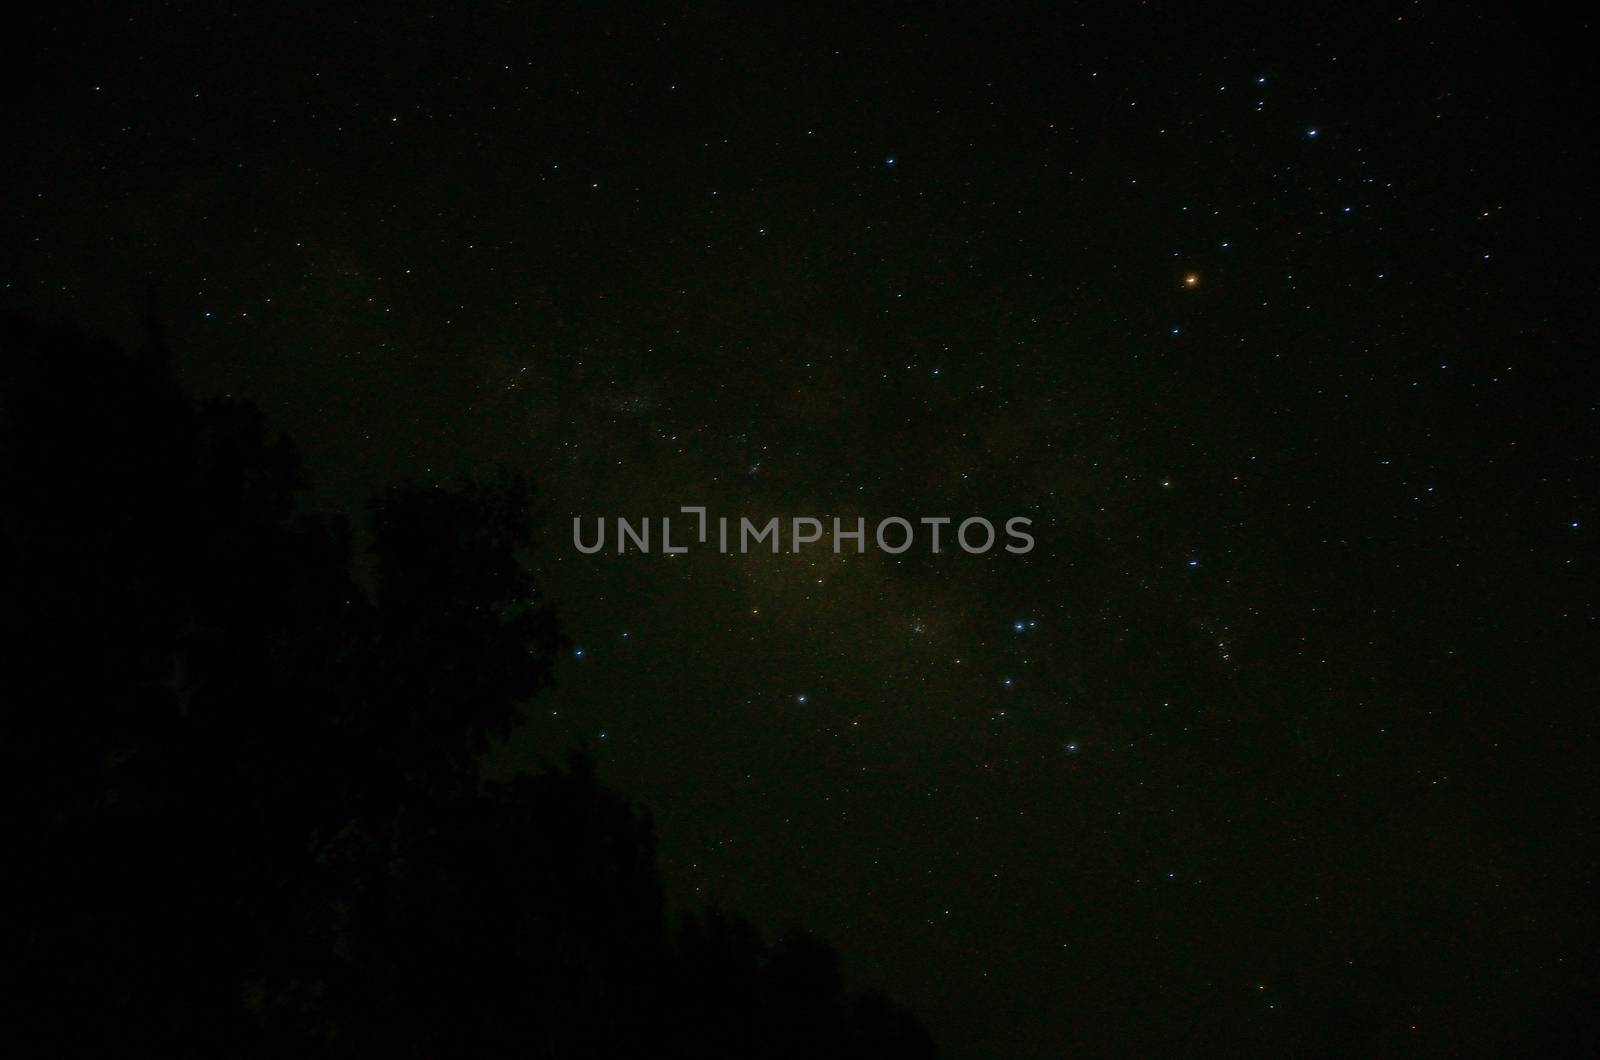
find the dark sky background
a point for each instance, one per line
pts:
(1296, 740)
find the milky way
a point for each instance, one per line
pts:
(1279, 736)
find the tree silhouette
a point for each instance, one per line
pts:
(241, 806)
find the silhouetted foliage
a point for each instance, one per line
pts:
(242, 812)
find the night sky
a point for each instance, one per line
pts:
(1278, 327)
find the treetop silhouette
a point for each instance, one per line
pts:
(242, 807)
